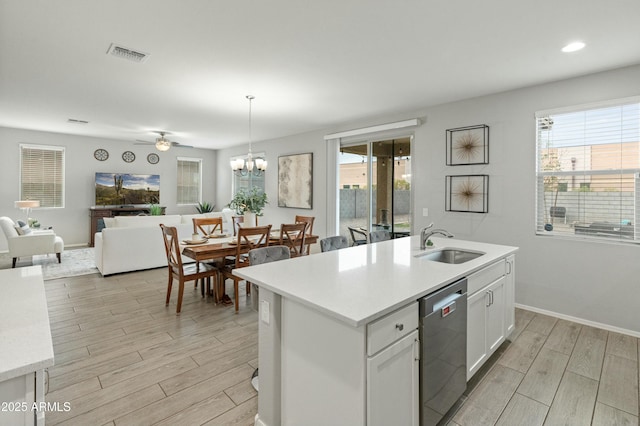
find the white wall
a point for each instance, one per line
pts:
(598, 282)
(299, 144)
(72, 222)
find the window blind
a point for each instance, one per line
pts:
(42, 174)
(189, 181)
(588, 172)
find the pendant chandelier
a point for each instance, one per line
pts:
(256, 167)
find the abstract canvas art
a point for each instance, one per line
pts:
(468, 193)
(468, 145)
(295, 181)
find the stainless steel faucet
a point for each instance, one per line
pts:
(424, 235)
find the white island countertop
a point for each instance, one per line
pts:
(25, 334)
(360, 284)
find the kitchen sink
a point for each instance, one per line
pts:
(450, 255)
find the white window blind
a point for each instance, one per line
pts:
(42, 174)
(189, 180)
(588, 172)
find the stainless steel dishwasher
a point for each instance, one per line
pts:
(443, 361)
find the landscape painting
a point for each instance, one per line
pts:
(114, 189)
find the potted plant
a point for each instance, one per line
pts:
(249, 203)
(205, 207)
(155, 210)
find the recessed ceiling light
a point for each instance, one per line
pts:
(573, 47)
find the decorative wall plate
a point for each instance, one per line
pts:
(153, 158)
(100, 154)
(128, 156)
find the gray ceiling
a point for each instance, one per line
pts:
(310, 65)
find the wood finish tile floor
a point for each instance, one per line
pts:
(122, 358)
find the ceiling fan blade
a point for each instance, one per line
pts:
(178, 144)
(141, 142)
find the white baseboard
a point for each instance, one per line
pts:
(580, 320)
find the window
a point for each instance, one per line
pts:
(588, 172)
(189, 180)
(42, 174)
(249, 180)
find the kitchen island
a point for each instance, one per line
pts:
(322, 324)
(27, 348)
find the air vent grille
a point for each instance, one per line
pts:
(76, 121)
(126, 53)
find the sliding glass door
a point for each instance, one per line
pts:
(375, 188)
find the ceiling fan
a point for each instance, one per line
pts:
(162, 143)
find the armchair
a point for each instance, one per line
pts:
(36, 242)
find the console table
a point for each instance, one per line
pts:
(98, 213)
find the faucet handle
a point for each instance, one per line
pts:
(429, 226)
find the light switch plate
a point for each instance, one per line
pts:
(425, 212)
(264, 311)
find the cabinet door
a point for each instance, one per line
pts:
(509, 296)
(476, 331)
(392, 384)
(495, 315)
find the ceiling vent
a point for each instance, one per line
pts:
(76, 121)
(126, 53)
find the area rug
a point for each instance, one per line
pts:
(74, 262)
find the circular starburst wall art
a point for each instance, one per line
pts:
(468, 145)
(467, 193)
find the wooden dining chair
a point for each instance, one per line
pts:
(309, 221)
(293, 236)
(180, 271)
(207, 225)
(236, 221)
(247, 239)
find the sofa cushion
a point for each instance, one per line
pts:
(22, 228)
(109, 222)
(146, 221)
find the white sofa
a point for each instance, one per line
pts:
(132, 243)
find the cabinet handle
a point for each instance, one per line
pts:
(400, 327)
(488, 297)
(509, 265)
(416, 349)
(491, 292)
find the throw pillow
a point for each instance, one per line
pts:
(22, 228)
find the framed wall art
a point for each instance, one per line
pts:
(295, 181)
(468, 145)
(467, 193)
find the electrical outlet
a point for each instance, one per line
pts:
(425, 211)
(264, 311)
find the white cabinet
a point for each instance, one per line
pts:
(487, 311)
(509, 294)
(393, 350)
(392, 384)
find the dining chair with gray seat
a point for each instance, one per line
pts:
(336, 242)
(376, 236)
(248, 239)
(257, 257)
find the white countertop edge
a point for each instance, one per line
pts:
(26, 369)
(26, 331)
(493, 254)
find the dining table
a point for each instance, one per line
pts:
(218, 247)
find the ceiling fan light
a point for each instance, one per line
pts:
(162, 144)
